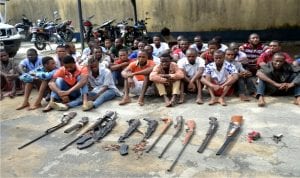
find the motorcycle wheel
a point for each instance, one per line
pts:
(40, 42)
(68, 35)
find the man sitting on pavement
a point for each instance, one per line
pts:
(119, 65)
(9, 75)
(158, 46)
(278, 77)
(69, 85)
(193, 68)
(136, 78)
(102, 84)
(167, 75)
(41, 75)
(219, 76)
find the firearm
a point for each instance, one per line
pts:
(152, 125)
(99, 132)
(233, 130)
(209, 134)
(189, 133)
(178, 126)
(108, 114)
(168, 123)
(133, 125)
(78, 126)
(64, 121)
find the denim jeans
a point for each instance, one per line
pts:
(264, 87)
(109, 94)
(75, 96)
(246, 83)
(118, 79)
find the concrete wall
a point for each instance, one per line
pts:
(178, 15)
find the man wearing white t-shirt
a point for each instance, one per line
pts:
(193, 68)
(158, 46)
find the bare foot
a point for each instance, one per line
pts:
(213, 101)
(124, 101)
(199, 101)
(169, 104)
(35, 107)
(244, 97)
(141, 102)
(222, 101)
(297, 101)
(181, 99)
(261, 102)
(24, 105)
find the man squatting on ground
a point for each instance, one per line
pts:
(277, 77)
(219, 76)
(166, 77)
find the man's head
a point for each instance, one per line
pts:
(70, 48)
(4, 55)
(32, 55)
(179, 38)
(219, 57)
(275, 46)
(149, 49)
(118, 42)
(93, 65)
(184, 44)
(69, 64)
(97, 52)
(278, 60)
(254, 39)
(218, 39)
(141, 45)
(191, 55)
(107, 43)
(156, 40)
(123, 55)
(136, 42)
(61, 51)
(142, 57)
(198, 40)
(234, 46)
(212, 46)
(48, 63)
(229, 54)
(165, 60)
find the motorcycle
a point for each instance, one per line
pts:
(47, 32)
(23, 28)
(88, 27)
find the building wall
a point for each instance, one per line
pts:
(178, 15)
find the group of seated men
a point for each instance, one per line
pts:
(70, 79)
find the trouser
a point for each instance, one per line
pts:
(175, 87)
(109, 94)
(75, 96)
(245, 83)
(264, 87)
(118, 79)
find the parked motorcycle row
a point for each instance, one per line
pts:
(46, 31)
(126, 29)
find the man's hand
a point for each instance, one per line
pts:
(216, 87)
(191, 86)
(63, 93)
(167, 76)
(289, 85)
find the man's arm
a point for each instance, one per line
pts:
(146, 71)
(114, 67)
(198, 74)
(83, 80)
(267, 79)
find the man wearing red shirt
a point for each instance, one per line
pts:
(69, 85)
(274, 47)
(136, 77)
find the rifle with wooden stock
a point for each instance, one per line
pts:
(233, 130)
(168, 123)
(189, 133)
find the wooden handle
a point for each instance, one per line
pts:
(237, 119)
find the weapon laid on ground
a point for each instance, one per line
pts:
(210, 133)
(78, 126)
(99, 132)
(233, 130)
(168, 123)
(152, 125)
(108, 114)
(189, 133)
(178, 126)
(133, 125)
(64, 121)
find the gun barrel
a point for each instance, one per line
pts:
(70, 143)
(166, 147)
(225, 144)
(204, 144)
(28, 143)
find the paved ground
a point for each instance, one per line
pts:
(262, 158)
